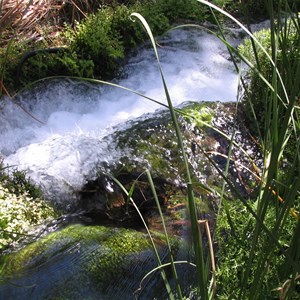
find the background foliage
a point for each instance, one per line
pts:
(91, 40)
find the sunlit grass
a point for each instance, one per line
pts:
(276, 224)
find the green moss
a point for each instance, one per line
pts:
(113, 246)
(111, 259)
(152, 143)
(83, 260)
(197, 113)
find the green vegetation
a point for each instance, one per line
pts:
(258, 235)
(93, 47)
(153, 144)
(286, 58)
(87, 40)
(98, 258)
(121, 240)
(260, 8)
(18, 183)
(234, 243)
(258, 257)
(253, 9)
(21, 209)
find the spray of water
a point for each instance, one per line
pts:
(63, 153)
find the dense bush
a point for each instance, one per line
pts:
(258, 8)
(105, 37)
(95, 40)
(97, 44)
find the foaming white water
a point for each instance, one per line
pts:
(76, 116)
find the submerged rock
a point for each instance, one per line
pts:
(90, 262)
(96, 262)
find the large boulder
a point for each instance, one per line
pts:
(75, 172)
(91, 262)
(150, 143)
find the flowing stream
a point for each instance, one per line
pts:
(74, 117)
(69, 136)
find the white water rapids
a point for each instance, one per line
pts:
(62, 153)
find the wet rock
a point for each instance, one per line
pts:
(150, 143)
(85, 164)
(89, 262)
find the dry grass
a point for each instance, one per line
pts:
(26, 17)
(21, 15)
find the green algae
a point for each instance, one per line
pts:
(111, 258)
(152, 143)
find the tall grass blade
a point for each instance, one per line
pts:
(179, 293)
(178, 262)
(197, 240)
(281, 125)
(163, 274)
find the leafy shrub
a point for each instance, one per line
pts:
(131, 34)
(176, 10)
(258, 8)
(95, 47)
(9, 59)
(75, 66)
(105, 37)
(62, 62)
(18, 216)
(95, 40)
(18, 183)
(21, 208)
